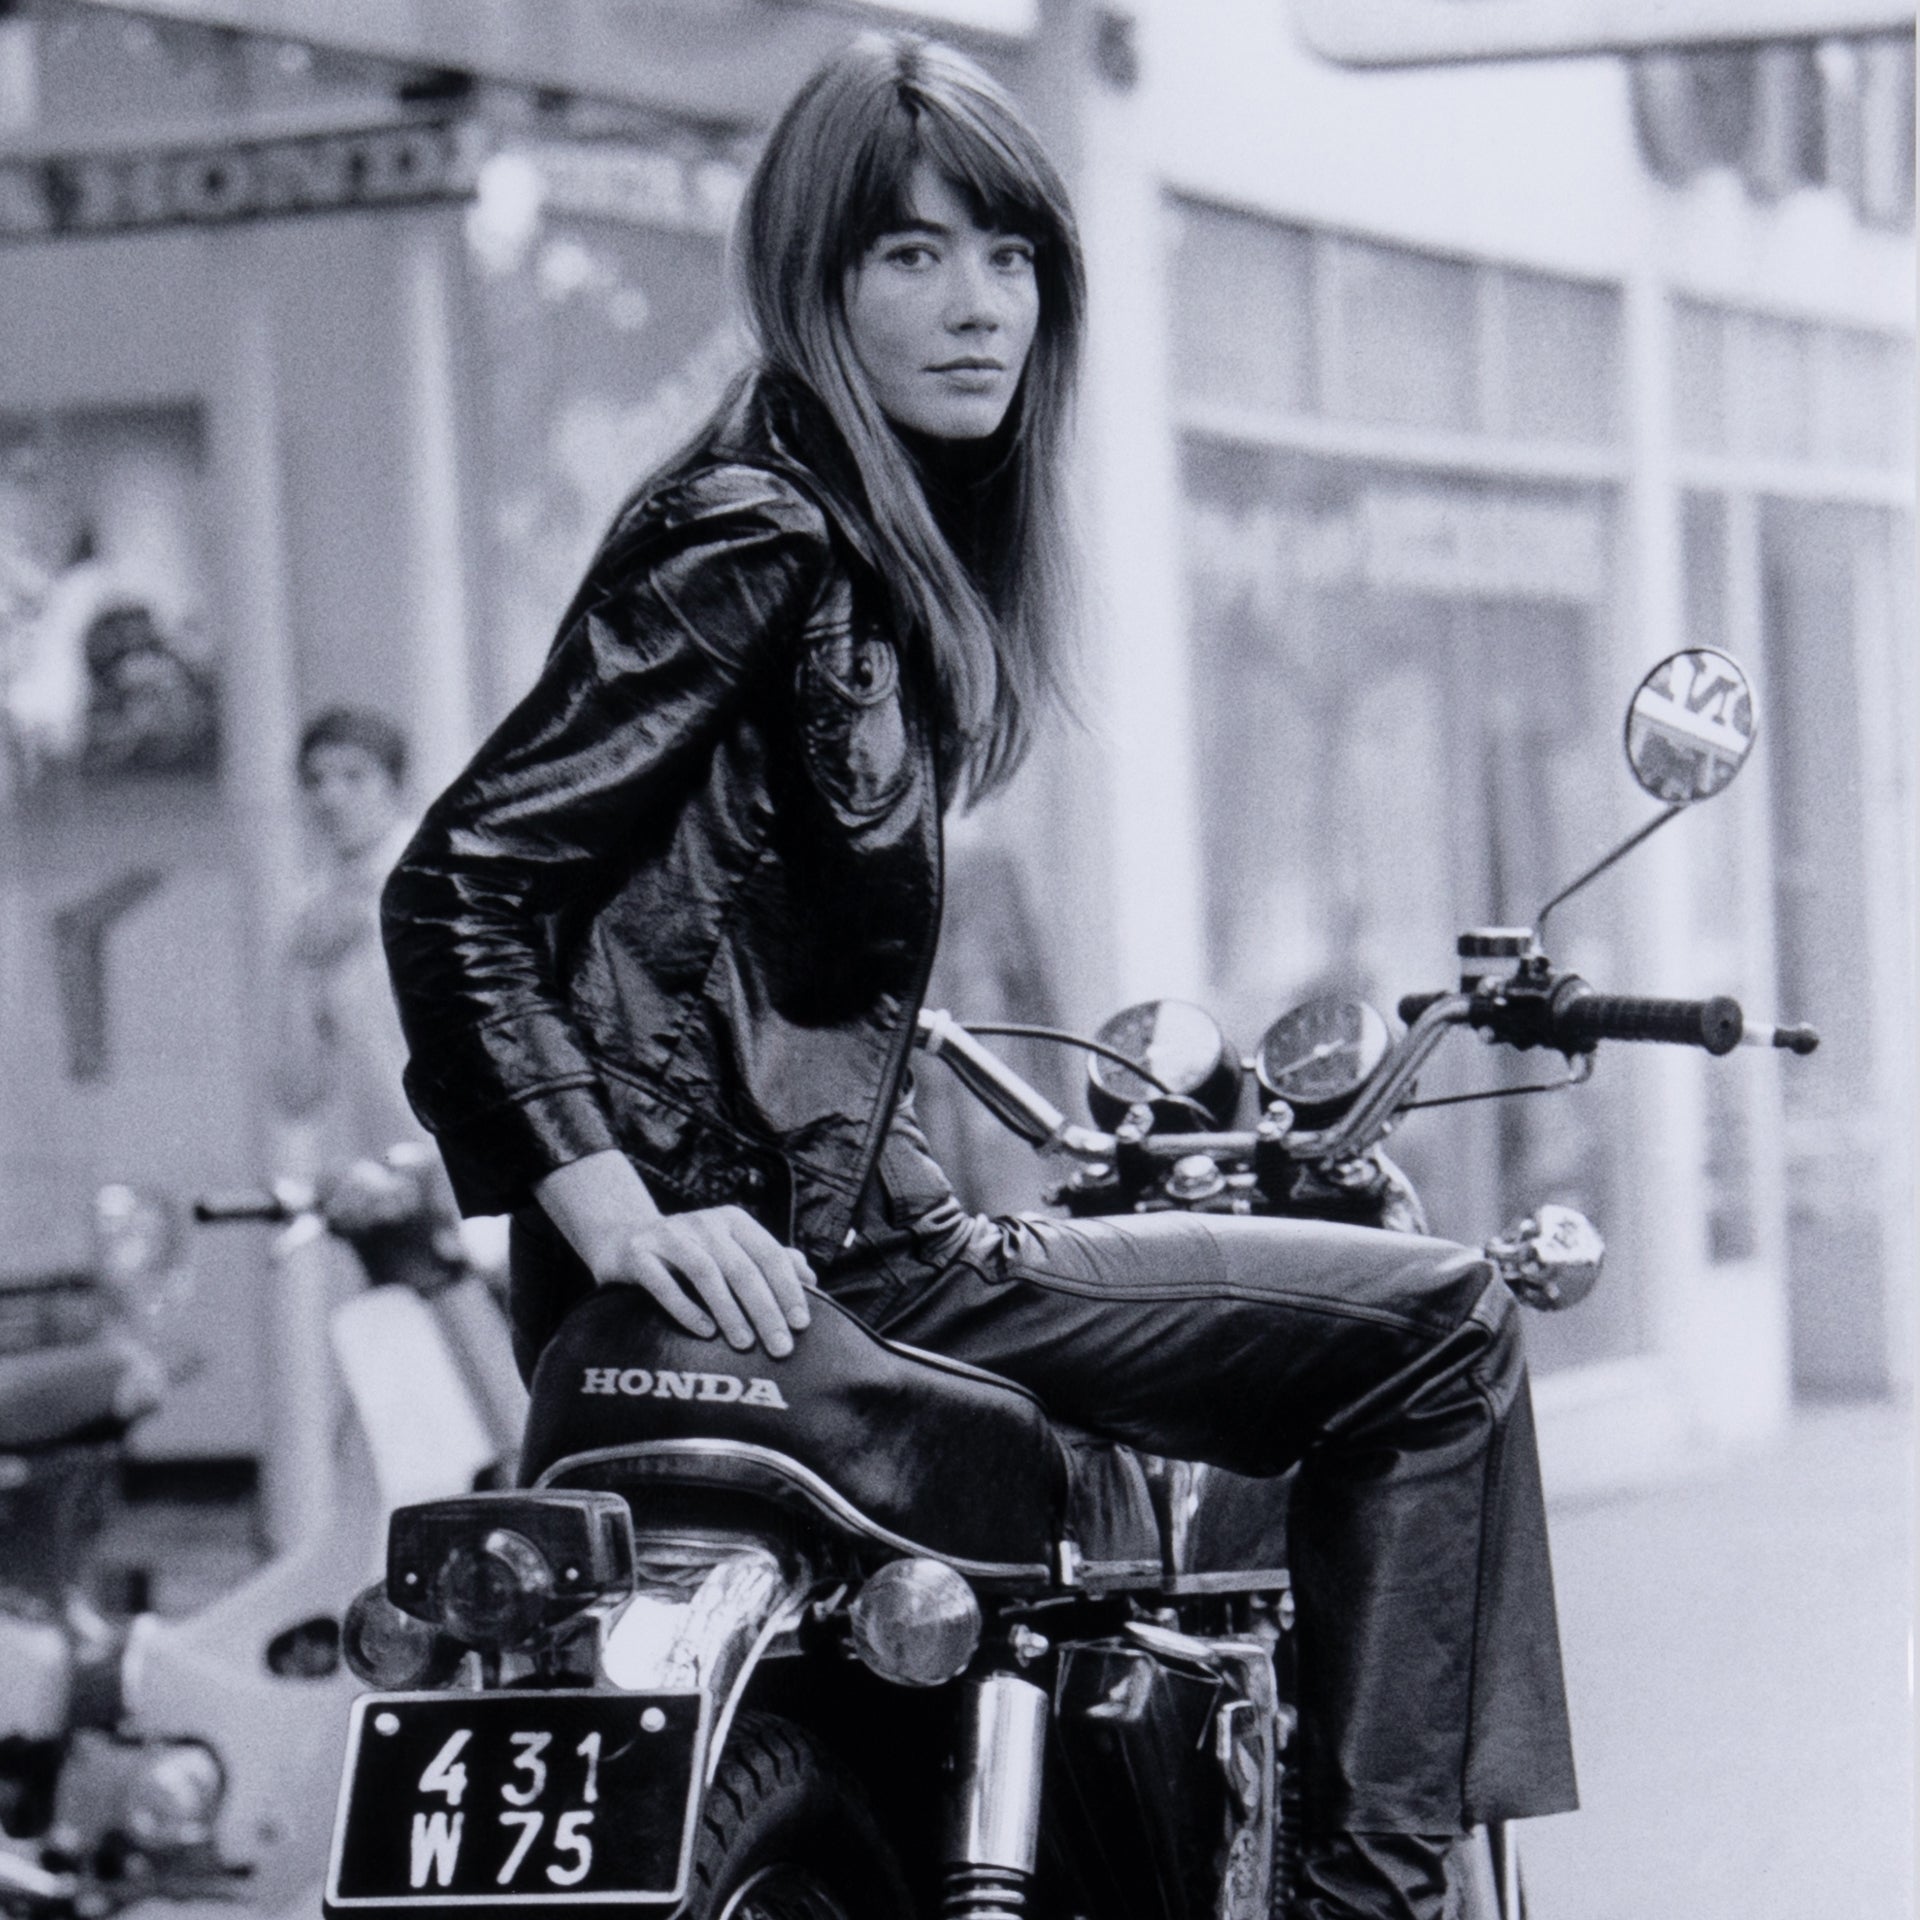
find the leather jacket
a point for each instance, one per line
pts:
(684, 901)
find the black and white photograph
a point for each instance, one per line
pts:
(958, 959)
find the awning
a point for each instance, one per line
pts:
(731, 61)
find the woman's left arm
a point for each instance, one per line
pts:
(684, 608)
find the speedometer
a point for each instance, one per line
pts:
(1320, 1055)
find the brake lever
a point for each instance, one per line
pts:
(1579, 1072)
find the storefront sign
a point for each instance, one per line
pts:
(637, 186)
(1477, 546)
(75, 194)
(1436, 541)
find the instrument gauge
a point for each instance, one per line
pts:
(1183, 1048)
(1319, 1056)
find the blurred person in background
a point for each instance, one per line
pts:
(338, 1049)
(660, 948)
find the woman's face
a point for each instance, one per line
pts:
(942, 315)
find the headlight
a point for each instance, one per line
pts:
(173, 1796)
(916, 1622)
(391, 1650)
(1182, 1046)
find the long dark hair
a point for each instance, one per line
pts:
(833, 178)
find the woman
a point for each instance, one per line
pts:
(660, 948)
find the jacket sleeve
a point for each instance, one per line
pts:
(684, 607)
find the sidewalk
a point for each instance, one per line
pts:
(1738, 1652)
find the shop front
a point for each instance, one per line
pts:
(319, 374)
(1421, 417)
(1459, 460)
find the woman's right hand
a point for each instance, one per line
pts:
(713, 1270)
(751, 1286)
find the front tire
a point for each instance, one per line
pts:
(786, 1835)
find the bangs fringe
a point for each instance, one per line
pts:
(997, 192)
(833, 178)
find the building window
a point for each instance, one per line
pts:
(1243, 324)
(1796, 439)
(1401, 347)
(1400, 556)
(1285, 321)
(1561, 356)
(1756, 386)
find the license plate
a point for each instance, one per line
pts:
(516, 1799)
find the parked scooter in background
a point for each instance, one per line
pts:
(195, 1756)
(80, 1366)
(84, 1356)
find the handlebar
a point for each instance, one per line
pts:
(1567, 1014)
(1020, 1108)
(1583, 1018)
(1543, 1009)
(248, 1204)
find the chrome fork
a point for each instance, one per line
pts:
(993, 1828)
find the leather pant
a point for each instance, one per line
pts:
(1387, 1367)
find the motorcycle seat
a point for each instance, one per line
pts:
(892, 1449)
(57, 1396)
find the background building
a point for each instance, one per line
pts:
(1424, 412)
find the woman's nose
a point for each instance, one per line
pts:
(974, 297)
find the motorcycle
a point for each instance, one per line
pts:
(192, 1757)
(862, 1633)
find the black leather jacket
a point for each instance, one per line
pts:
(684, 900)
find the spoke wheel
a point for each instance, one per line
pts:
(785, 1893)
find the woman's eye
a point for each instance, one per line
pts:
(1015, 256)
(909, 253)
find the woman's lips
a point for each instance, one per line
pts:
(974, 376)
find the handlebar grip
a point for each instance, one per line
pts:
(252, 1203)
(1583, 1018)
(1413, 1005)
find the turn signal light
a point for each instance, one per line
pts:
(393, 1651)
(916, 1622)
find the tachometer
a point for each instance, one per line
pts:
(1182, 1047)
(1317, 1057)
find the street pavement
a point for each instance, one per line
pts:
(1738, 1649)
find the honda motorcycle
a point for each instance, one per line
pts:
(862, 1633)
(193, 1757)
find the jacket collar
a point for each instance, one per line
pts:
(774, 421)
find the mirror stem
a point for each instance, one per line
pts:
(1600, 866)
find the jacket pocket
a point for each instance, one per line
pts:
(852, 726)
